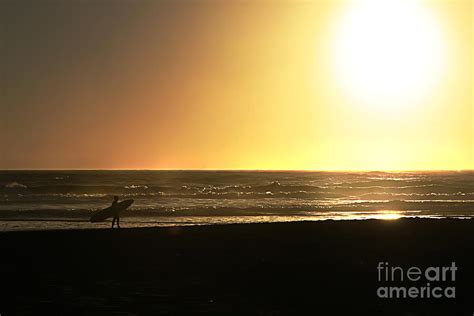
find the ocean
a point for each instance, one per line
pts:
(38, 200)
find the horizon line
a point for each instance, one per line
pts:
(244, 170)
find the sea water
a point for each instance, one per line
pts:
(67, 199)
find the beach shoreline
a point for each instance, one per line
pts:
(265, 269)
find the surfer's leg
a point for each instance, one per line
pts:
(113, 222)
(118, 222)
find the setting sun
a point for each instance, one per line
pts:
(388, 54)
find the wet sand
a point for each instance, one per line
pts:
(327, 268)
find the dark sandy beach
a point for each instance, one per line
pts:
(327, 268)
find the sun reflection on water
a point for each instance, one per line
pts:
(381, 214)
(387, 215)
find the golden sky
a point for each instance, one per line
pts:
(307, 85)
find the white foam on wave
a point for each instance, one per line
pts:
(15, 185)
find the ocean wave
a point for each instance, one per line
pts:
(136, 187)
(271, 189)
(417, 196)
(15, 185)
(443, 206)
(22, 196)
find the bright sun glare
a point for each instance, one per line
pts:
(388, 54)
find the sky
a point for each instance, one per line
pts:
(291, 85)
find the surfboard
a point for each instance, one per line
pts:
(110, 211)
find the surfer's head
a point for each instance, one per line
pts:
(115, 198)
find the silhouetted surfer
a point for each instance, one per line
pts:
(111, 211)
(116, 213)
